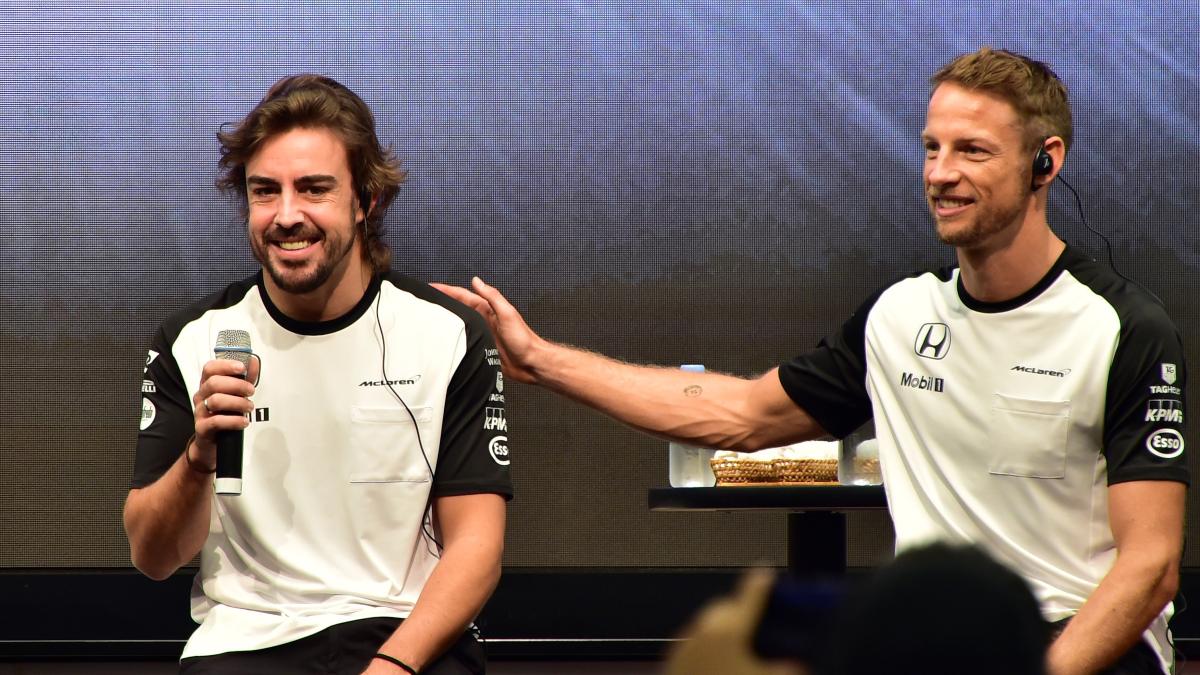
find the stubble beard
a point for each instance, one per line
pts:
(979, 231)
(987, 223)
(290, 280)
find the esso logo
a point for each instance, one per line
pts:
(1165, 443)
(498, 449)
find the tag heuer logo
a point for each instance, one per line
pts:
(1168, 373)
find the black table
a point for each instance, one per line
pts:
(816, 520)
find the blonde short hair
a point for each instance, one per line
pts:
(1038, 96)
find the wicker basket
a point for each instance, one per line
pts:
(866, 466)
(806, 470)
(735, 470)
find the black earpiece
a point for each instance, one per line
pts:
(366, 203)
(1043, 165)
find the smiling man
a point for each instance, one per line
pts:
(1027, 400)
(370, 525)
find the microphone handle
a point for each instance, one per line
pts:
(229, 453)
(229, 462)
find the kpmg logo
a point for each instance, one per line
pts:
(1164, 410)
(494, 420)
(933, 341)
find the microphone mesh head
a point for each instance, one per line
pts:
(233, 345)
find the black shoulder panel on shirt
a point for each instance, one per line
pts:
(474, 456)
(422, 290)
(160, 443)
(1144, 433)
(226, 297)
(829, 383)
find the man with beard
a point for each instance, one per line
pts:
(370, 527)
(1028, 400)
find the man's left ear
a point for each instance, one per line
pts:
(366, 202)
(1048, 161)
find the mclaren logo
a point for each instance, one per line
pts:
(388, 383)
(933, 341)
(1042, 371)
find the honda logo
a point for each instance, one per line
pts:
(933, 341)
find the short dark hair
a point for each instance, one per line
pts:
(308, 101)
(1031, 87)
(936, 608)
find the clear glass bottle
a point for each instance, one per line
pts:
(858, 457)
(688, 465)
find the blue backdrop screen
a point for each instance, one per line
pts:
(663, 182)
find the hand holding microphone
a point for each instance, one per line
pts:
(221, 410)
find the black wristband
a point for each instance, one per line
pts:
(187, 457)
(391, 659)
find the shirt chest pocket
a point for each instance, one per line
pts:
(1028, 438)
(384, 446)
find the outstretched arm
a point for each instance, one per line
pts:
(708, 409)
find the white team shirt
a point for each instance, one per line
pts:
(328, 527)
(1003, 424)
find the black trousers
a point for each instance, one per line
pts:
(1140, 660)
(344, 649)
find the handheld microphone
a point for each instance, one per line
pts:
(233, 345)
